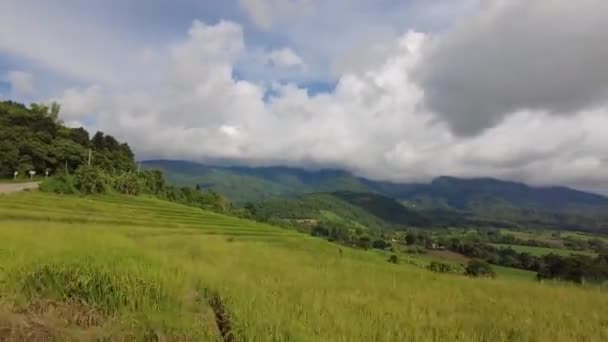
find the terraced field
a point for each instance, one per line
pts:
(123, 268)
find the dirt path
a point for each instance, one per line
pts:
(6, 188)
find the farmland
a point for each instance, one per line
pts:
(540, 251)
(119, 267)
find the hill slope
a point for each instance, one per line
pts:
(125, 268)
(446, 200)
(243, 184)
(254, 183)
(351, 209)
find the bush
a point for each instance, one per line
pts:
(479, 268)
(393, 259)
(91, 180)
(440, 267)
(379, 244)
(364, 242)
(128, 183)
(62, 183)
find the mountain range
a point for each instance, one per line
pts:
(449, 198)
(254, 183)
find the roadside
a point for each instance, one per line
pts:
(6, 188)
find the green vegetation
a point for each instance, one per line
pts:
(242, 185)
(540, 251)
(445, 202)
(479, 268)
(119, 267)
(32, 139)
(319, 208)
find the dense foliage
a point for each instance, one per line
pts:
(575, 267)
(33, 139)
(479, 268)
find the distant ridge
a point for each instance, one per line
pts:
(242, 183)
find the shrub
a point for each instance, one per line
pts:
(393, 259)
(379, 244)
(364, 242)
(90, 180)
(441, 267)
(62, 183)
(479, 268)
(128, 183)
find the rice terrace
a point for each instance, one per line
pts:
(120, 267)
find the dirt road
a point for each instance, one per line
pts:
(6, 188)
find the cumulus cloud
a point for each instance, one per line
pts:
(264, 13)
(406, 106)
(374, 123)
(515, 55)
(285, 57)
(77, 103)
(21, 82)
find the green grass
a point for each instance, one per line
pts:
(125, 268)
(540, 251)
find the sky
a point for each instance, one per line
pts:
(394, 90)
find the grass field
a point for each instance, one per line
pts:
(123, 268)
(540, 251)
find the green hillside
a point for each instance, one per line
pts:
(321, 207)
(447, 201)
(242, 184)
(136, 268)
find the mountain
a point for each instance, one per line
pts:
(449, 200)
(252, 184)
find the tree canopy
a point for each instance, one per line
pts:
(34, 139)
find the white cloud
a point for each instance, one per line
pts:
(373, 123)
(76, 103)
(21, 82)
(285, 57)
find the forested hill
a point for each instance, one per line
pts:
(253, 184)
(467, 194)
(32, 138)
(243, 184)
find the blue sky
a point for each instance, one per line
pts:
(320, 37)
(399, 90)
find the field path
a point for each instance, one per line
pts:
(6, 188)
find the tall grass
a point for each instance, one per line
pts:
(275, 286)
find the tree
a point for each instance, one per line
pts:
(479, 268)
(379, 244)
(364, 242)
(410, 239)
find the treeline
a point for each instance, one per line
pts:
(33, 139)
(576, 268)
(89, 180)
